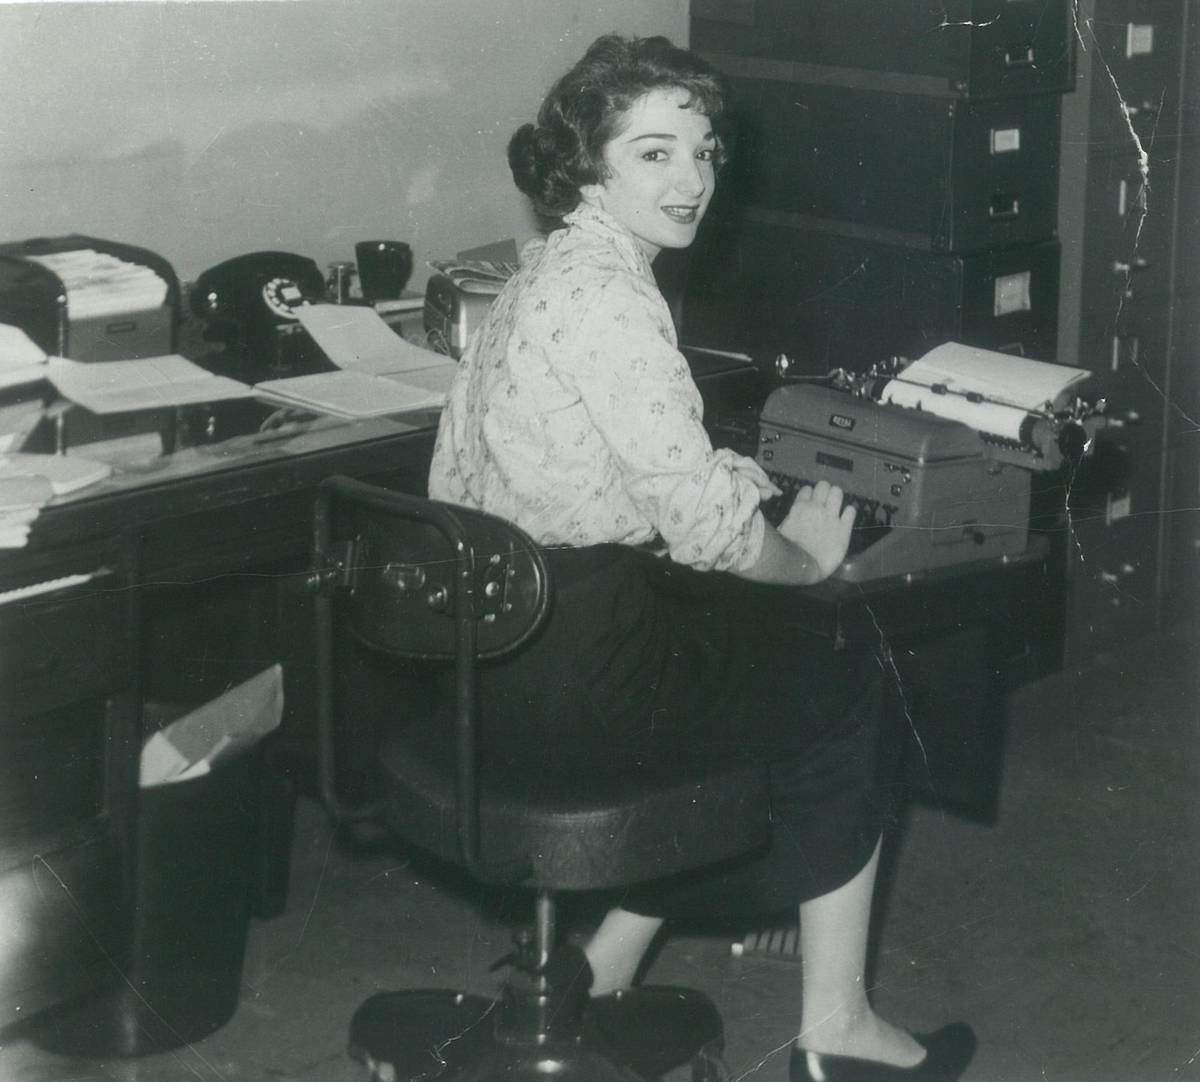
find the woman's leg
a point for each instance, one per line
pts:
(617, 948)
(836, 1016)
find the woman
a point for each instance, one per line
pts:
(575, 416)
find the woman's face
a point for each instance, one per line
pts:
(660, 171)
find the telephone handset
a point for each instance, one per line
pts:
(256, 287)
(249, 303)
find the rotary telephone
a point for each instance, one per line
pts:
(248, 304)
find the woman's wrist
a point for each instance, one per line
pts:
(784, 562)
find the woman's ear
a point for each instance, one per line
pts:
(591, 193)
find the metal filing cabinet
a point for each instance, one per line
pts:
(893, 183)
(977, 49)
(1121, 151)
(829, 300)
(893, 186)
(952, 175)
(1134, 54)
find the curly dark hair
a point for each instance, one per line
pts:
(584, 109)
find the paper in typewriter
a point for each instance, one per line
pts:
(990, 391)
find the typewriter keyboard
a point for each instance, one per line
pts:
(872, 521)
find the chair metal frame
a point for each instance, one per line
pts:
(486, 599)
(481, 597)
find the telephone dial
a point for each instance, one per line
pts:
(248, 304)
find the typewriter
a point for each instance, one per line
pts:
(939, 472)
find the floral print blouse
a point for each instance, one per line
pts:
(574, 415)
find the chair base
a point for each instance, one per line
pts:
(634, 1036)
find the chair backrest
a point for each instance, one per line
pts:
(422, 574)
(425, 580)
(419, 579)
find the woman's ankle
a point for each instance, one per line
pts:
(616, 950)
(865, 1036)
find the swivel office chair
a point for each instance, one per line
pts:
(417, 579)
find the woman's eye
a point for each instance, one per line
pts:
(705, 155)
(654, 156)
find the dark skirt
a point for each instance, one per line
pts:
(646, 656)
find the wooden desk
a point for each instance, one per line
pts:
(201, 564)
(196, 566)
(953, 641)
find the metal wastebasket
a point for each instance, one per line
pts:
(197, 847)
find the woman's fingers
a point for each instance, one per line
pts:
(823, 494)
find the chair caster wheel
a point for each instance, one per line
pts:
(415, 1036)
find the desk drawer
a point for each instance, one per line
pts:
(59, 935)
(52, 779)
(63, 646)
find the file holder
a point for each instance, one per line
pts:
(35, 299)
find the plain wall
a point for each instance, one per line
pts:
(205, 129)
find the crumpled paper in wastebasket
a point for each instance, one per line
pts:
(190, 746)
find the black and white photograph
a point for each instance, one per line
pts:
(613, 541)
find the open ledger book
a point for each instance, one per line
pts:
(378, 372)
(995, 393)
(142, 383)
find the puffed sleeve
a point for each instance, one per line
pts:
(639, 394)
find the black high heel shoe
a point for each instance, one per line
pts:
(947, 1053)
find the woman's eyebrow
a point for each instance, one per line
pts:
(666, 135)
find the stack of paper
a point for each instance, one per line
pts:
(21, 359)
(476, 275)
(28, 482)
(64, 473)
(21, 501)
(378, 372)
(145, 383)
(102, 284)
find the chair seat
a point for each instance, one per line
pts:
(580, 826)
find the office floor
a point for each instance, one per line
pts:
(1068, 933)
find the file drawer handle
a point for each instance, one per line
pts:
(1004, 208)
(1138, 263)
(1019, 55)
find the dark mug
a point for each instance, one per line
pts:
(384, 267)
